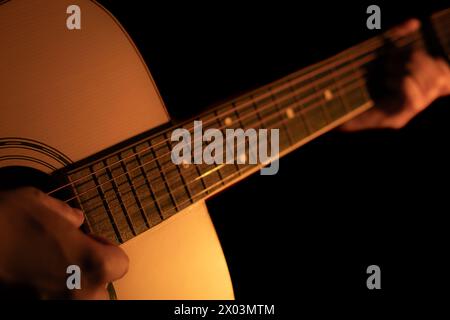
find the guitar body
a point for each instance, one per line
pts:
(180, 258)
(79, 104)
(70, 94)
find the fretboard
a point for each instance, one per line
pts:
(137, 187)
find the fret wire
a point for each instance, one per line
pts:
(107, 209)
(275, 114)
(346, 97)
(88, 223)
(119, 198)
(96, 217)
(133, 191)
(197, 171)
(148, 184)
(193, 177)
(200, 175)
(226, 126)
(357, 69)
(171, 176)
(226, 167)
(179, 170)
(319, 105)
(269, 106)
(239, 173)
(241, 124)
(203, 171)
(289, 138)
(207, 190)
(334, 79)
(321, 97)
(163, 176)
(315, 117)
(298, 104)
(255, 107)
(144, 176)
(365, 95)
(339, 90)
(309, 128)
(334, 106)
(210, 187)
(356, 50)
(318, 117)
(218, 171)
(280, 111)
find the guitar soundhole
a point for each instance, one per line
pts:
(17, 177)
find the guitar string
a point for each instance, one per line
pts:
(343, 81)
(156, 145)
(163, 169)
(191, 170)
(263, 96)
(168, 153)
(167, 181)
(270, 105)
(190, 199)
(337, 61)
(359, 84)
(247, 115)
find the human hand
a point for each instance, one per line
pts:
(40, 238)
(416, 82)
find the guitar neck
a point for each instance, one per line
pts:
(135, 188)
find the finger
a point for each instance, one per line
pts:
(376, 118)
(367, 120)
(98, 293)
(424, 69)
(405, 28)
(445, 74)
(414, 98)
(73, 215)
(105, 262)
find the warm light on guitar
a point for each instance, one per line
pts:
(81, 119)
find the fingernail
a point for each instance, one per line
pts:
(78, 211)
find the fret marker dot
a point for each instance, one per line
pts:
(242, 157)
(290, 113)
(228, 121)
(328, 94)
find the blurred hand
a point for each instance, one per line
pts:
(426, 79)
(40, 238)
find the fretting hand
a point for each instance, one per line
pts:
(426, 79)
(40, 238)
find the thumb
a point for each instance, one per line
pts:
(106, 262)
(72, 215)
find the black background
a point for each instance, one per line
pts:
(340, 203)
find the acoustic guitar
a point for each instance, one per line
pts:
(82, 119)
